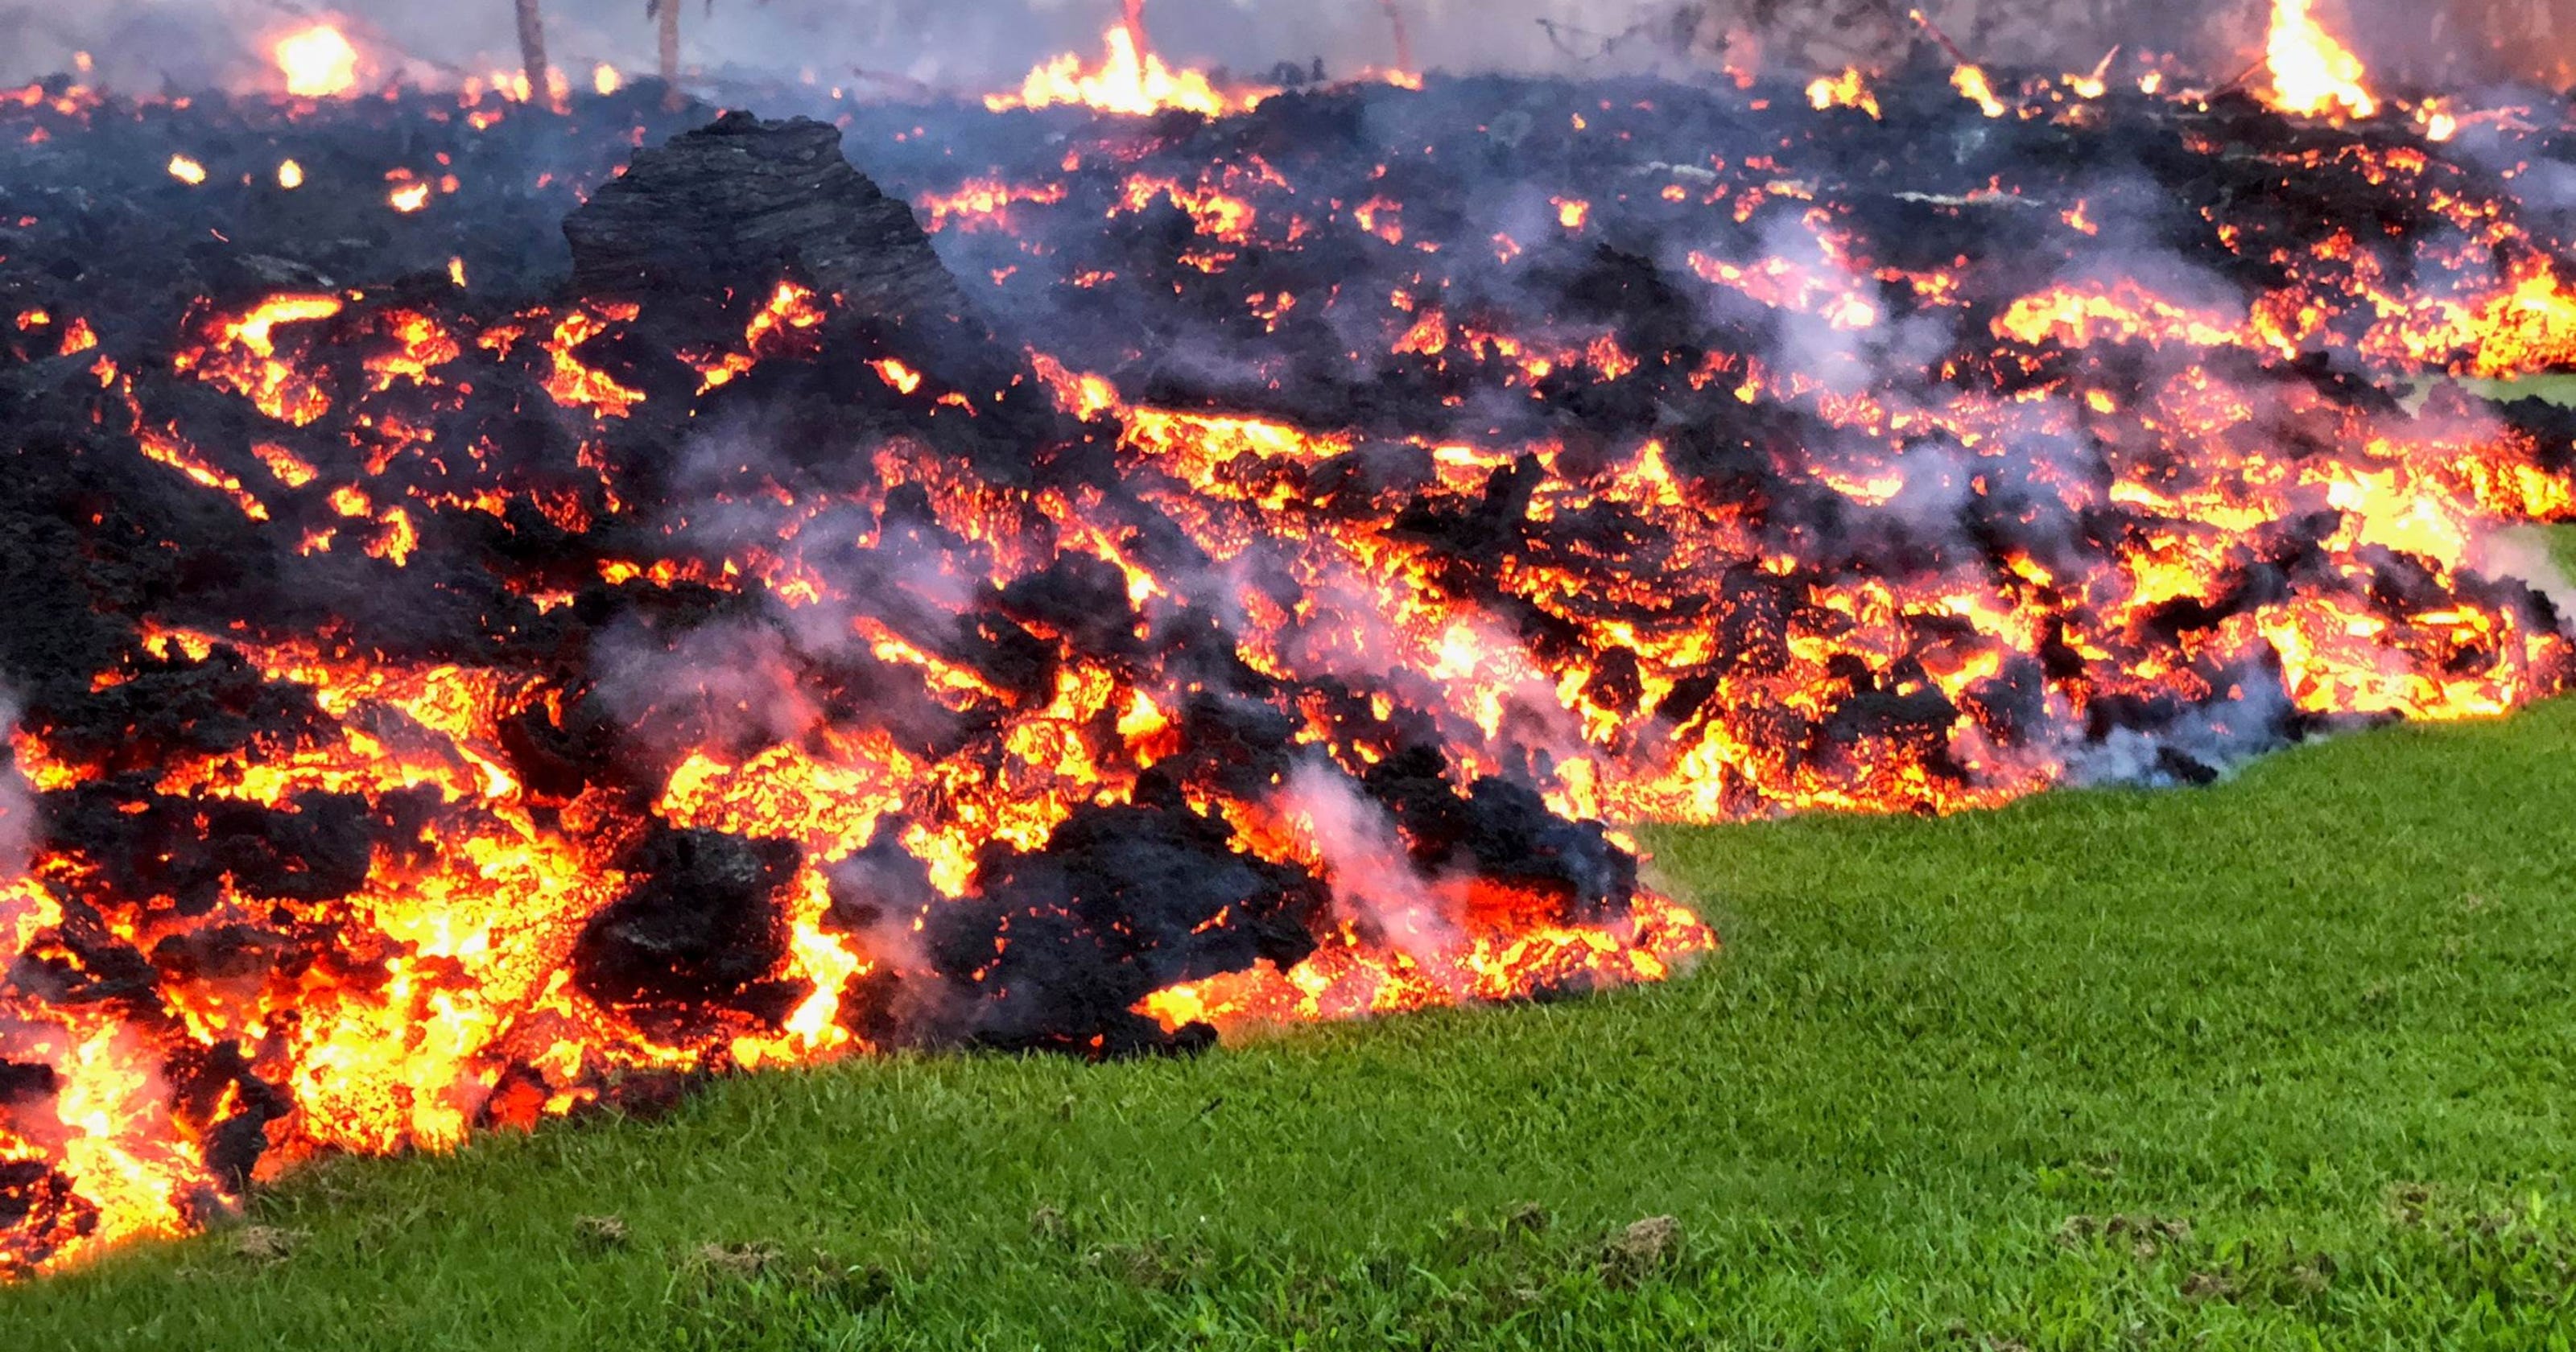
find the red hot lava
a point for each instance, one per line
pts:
(1243, 598)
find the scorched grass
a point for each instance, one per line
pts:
(2280, 1063)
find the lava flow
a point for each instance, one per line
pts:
(510, 623)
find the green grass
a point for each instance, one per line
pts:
(2281, 1063)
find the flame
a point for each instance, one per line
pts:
(318, 62)
(1127, 81)
(187, 171)
(1971, 83)
(1847, 90)
(2312, 74)
(290, 175)
(903, 378)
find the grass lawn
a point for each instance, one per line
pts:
(2281, 1063)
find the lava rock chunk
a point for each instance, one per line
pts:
(704, 926)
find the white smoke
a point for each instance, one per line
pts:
(2525, 554)
(2216, 738)
(1375, 885)
(726, 683)
(18, 826)
(19, 835)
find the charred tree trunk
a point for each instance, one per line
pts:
(532, 48)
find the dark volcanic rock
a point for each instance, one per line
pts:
(1123, 901)
(743, 201)
(716, 218)
(705, 925)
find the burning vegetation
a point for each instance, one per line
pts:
(1197, 555)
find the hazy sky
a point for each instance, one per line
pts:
(970, 43)
(973, 45)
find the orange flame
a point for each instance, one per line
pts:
(2312, 74)
(1973, 86)
(318, 62)
(1847, 90)
(1127, 81)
